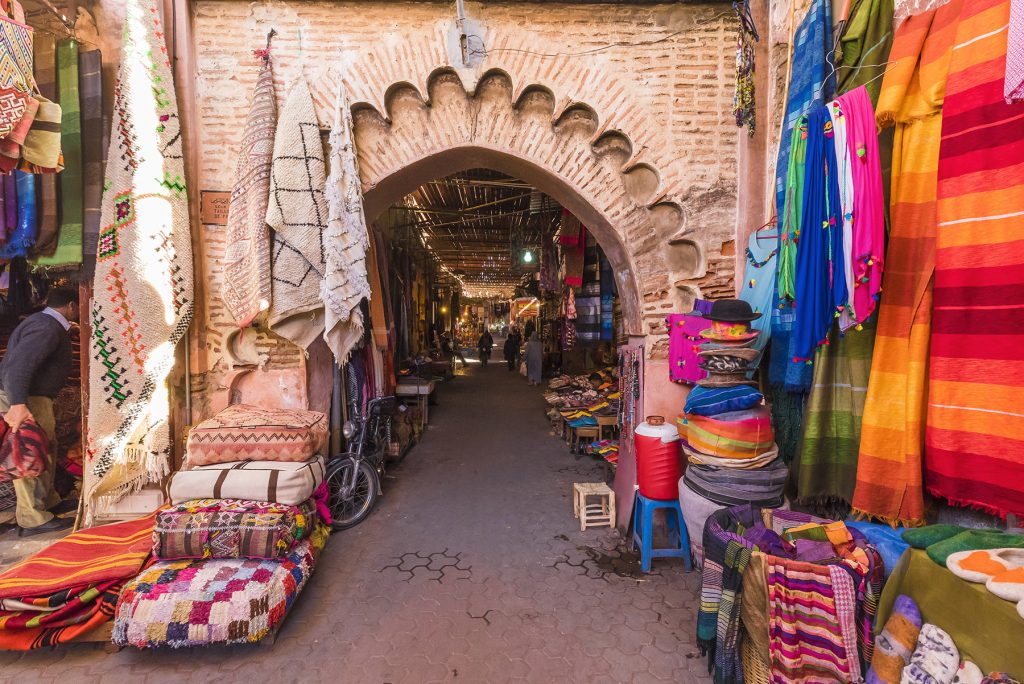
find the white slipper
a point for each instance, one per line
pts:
(1008, 585)
(984, 563)
(969, 673)
(935, 658)
(1020, 609)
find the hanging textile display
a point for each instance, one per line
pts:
(21, 213)
(743, 103)
(826, 466)
(792, 214)
(759, 281)
(90, 76)
(345, 241)
(811, 82)
(297, 212)
(1013, 79)
(572, 236)
(863, 48)
(68, 249)
(868, 244)
(684, 340)
(246, 288)
(143, 281)
(889, 464)
(974, 453)
(820, 278)
(607, 301)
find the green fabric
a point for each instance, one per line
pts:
(69, 241)
(864, 47)
(972, 540)
(826, 466)
(790, 225)
(923, 537)
(985, 628)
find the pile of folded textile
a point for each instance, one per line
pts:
(726, 430)
(796, 594)
(608, 449)
(241, 536)
(70, 588)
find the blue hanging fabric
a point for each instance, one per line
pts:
(24, 235)
(821, 290)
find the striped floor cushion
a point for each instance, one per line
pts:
(252, 433)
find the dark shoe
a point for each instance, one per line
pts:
(66, 506)
(54, 525)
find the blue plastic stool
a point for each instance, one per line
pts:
(643, 531)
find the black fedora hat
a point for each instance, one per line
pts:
(731, 311)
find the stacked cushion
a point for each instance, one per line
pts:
(282, 482)
(243, 432)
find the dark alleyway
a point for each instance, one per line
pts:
(471, 569)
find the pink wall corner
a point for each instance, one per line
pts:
(283, 388)
(662, 397)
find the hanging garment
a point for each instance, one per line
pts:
(10, 146)
(1013, 79)
(246, 288)
(90, 77)
(868, 255)
(974, 453)
(346, 239)
(864, 45)
(297, 211)
(759, 282)
(684, 342)
(811, 82)
(844, 177)
(574, 254)
(607, 301)
(68, 250)
(820, 281)
(143, 282)
(826, 467)
(21, 239)
(792, 212)
(889, 464)
(743, 103)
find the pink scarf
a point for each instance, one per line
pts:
(1013, 86)
(868, 201)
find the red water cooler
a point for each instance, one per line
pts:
(657, 459)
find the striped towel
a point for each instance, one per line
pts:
(974, 452)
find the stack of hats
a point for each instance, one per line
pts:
(725, 428)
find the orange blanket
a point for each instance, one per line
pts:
(974, 454)
(71, 587)
(889, 464)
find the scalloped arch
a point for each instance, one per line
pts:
(560, 149)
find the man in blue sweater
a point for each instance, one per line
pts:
(32, 372)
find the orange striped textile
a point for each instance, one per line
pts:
(889, 469)
(974, 451)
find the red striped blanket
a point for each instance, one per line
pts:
(974, 452)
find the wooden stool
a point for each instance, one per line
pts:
(609, 423)
(586, 432)
(593, 514)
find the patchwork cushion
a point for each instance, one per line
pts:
(181, 603)
(231, 528)
(274, 481)
(710, 401)
(243, 432)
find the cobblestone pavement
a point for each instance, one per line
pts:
(471, 569)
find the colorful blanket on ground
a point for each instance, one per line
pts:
(889, 464)
(974, 452)
(143, 281)
(246, 287)
(231, 528)
(811, 622)
(184, 603)
(70, 588)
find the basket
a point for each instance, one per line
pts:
(755, 669)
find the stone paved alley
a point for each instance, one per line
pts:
(471, 569)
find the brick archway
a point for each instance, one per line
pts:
(561, 150)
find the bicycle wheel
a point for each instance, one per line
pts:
(349, 511)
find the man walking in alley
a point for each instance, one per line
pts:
(32, 372)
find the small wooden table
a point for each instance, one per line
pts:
(421, 389)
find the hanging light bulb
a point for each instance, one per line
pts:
(527, 257)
